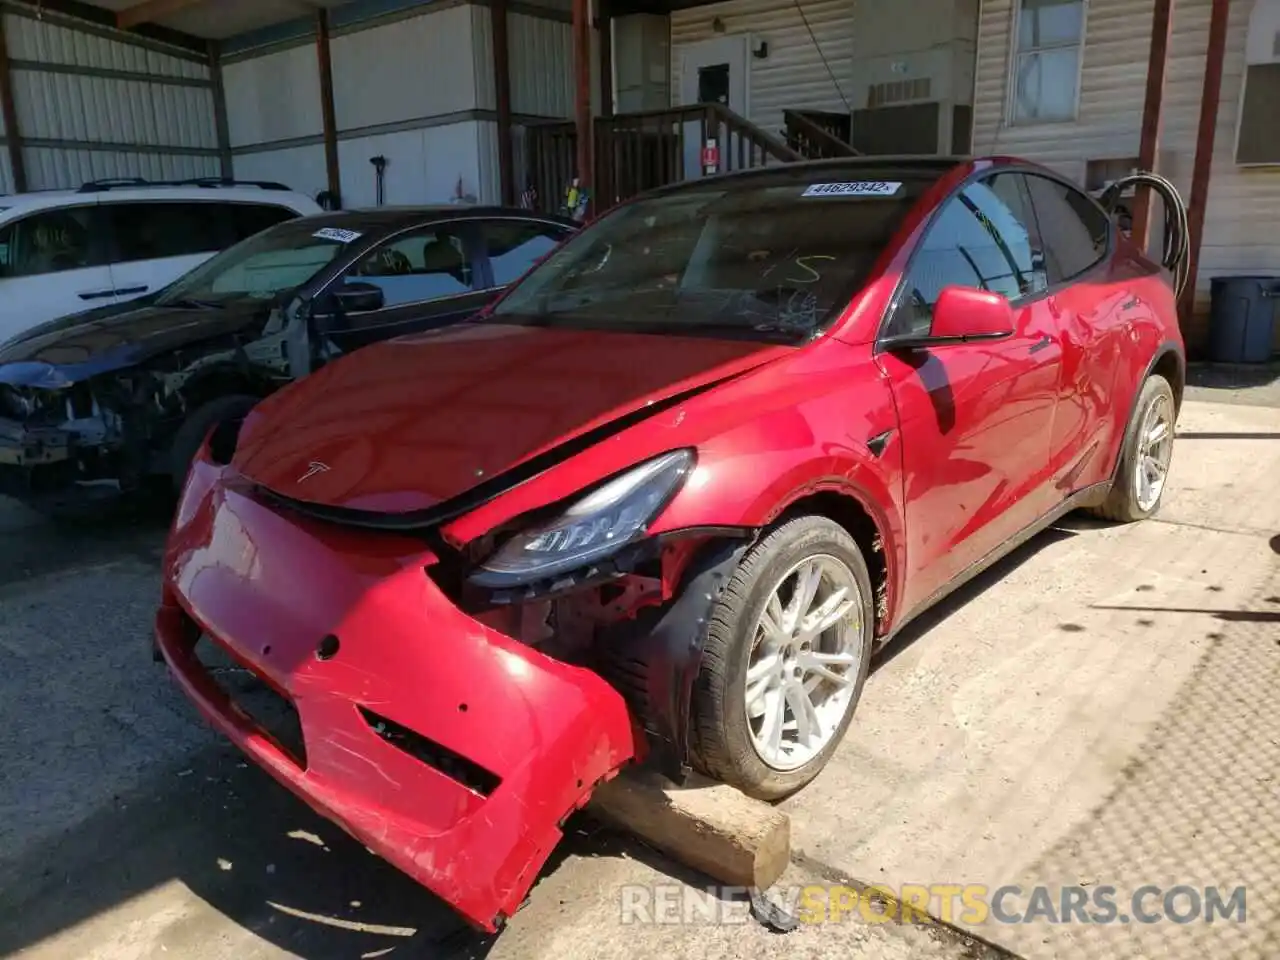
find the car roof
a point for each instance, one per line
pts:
(113, 192)
(840, 168)
(382, 219)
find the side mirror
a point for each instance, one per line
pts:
(357, 297)
(963, 313)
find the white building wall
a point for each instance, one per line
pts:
(300, 168)
(412, 68)
(95, 103)
(1244, 203)
(793, 75)
(273, 97)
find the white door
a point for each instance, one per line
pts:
(52, 263)
(713, 71)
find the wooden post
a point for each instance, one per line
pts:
(1152, 114)
(325, 63)
(502, 90)
(9, 111)
(582, 91)
(605, 26)
(221, 126)
(1210, 104)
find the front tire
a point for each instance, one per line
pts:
(1145, 456)
(787, 652)
(187, 441)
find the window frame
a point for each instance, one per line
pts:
(101, 246)
(483, 250)
(885, 343)
(1011, 67)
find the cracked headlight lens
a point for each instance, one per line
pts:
(608, 518)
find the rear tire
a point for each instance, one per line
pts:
(1144, 457)
(191, 434)
(741, 734)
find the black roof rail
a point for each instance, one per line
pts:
(116, 183)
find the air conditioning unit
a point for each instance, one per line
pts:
(915, 102)
(1257, 133)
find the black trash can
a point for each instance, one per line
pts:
(1242, 318)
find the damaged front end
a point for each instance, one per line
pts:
(453, 710)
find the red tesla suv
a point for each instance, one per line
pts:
(663, 500)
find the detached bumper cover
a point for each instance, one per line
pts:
(275, 591)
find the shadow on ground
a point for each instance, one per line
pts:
(256, 855)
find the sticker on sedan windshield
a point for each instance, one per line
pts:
(333, 233)
(858, 188)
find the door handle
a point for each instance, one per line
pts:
(1040, 344)
(103, 294)
(1130, 303)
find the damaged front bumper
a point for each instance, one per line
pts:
(448, 748)
(49, 465)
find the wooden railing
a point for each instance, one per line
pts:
(817, 135)
(635, 152)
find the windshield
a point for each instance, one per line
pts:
(770, 260)
(264, 266)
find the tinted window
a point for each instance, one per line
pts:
(1076, 231)
(151, 230)
(52, 241)
(514, 245)
(250, 218)
(773, 259)
(985, 237)
(417, 266)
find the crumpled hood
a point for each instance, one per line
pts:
(112, 337)
(406, 425)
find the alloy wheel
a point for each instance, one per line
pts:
(806, 656)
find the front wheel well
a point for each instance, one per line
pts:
(1170, 366)
(850, 514)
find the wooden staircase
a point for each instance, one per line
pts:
(635, 152)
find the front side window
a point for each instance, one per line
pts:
(513, 246)
(265, 266)
(155, 229)
(776, 259)
(1077, 234)
(1046, 60)
(417, 266)
(984, 237)
(52, 241)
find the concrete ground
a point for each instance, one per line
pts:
(1099, 709)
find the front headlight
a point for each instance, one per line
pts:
(602, 522)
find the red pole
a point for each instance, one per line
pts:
(1152, 113)
(582, 76)
(1210, 104)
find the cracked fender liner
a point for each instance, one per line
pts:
(658, 666)
(451, 696)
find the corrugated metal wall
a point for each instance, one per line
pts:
(409, 86)
(794, 74)
(93, 103)
(541, 63)
(1244, 203)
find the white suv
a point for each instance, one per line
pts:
(67, 251)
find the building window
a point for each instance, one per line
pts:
(1046, 60)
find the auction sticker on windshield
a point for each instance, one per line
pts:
(858, 188)
(334, 233)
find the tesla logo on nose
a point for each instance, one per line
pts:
(313, 468)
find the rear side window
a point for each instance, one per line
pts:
(52, 241)
(514, 246)
(154, 229)
(985, 237)
(1076, 232)
(250, 218)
